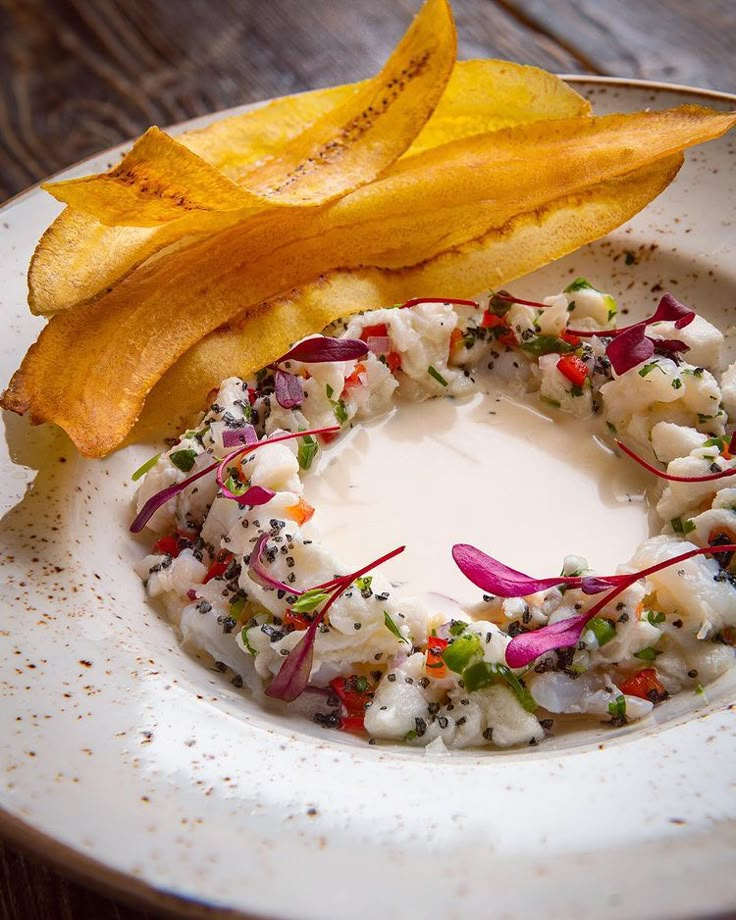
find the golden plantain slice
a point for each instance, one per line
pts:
(92, 368)
(526, 242)
(481, 96)
(161, 180)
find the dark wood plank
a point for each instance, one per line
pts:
(676, 41)
(77, 76)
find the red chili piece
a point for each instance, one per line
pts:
(574, 368)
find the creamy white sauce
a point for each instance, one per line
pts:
(489, 471)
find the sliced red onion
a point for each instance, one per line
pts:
(322, 349)
(260, 574)
(288, 390)
(378, 344)
(708, 477)
(630, 349)
(234, 437)
(160, 498)
(293, 676)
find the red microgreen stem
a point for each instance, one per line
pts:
(294, 673)
(509, 298)
(709, 477)
(160, 498)
(417, 300)
(526, 647)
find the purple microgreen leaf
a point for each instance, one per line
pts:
(524, 648)
(670, 310)
(260, 574)
(289, 390)
(592, 584)
(494, 577)
(235, 437)
(253, 496)
(708, 477)
(294, 673)
(629, 349)
(160, 498)
(321, 349)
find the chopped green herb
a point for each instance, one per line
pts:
(612, 428)
(677, 384)
(546, 345)
(341, 413)
(517, 685)
(647, 654)
(579, 284)
(457, 627)
(550, 402)
(330, 392)
(361, 684)
(234, 485)
(700, 689)
(462, 652)
(393, 628)
(236, 607)
(410, 735)
(478, 675)
(612, 306)
(648, 368)
(183, 459)
(720, 443)
(655, 617)
(617, 709)
(576, 390)
(682, 527)
(306, 451)
(246, 643)
(144, 468)
(437, 376)
(307, 602)
(603, 630)
(364, 582)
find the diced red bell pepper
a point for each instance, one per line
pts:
(219, 565)
(301, 512)
(456, 337)
(379, 331)
(571, 339)
(353, 702)
(644, 684)
(574, 368)
(393, 361)
(353, 380)
(434, 664)
(296, 620)
(168, 544)
(491, 321)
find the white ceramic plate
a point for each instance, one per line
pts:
(131, 764)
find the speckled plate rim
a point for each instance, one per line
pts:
(105, 878)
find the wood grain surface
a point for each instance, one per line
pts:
(77, 76)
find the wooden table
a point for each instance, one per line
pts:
(77, 76)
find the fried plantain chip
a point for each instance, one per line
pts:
(528, 241)
(161, 180)
(92, 368)
(480, 96)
